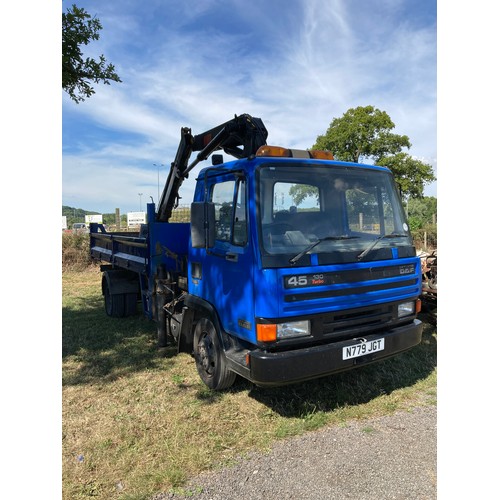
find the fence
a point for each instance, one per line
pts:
(181, 214)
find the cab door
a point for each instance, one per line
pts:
(228, 266)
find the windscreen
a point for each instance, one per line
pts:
(340, 211)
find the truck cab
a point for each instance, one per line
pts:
(308, 263)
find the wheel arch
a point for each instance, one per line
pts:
(201, 309)
(120, 281)
(210, 358)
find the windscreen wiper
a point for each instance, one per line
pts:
(293, 260)
(376, 240)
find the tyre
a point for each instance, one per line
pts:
(210, 358)
(114, 304)
(130, 304)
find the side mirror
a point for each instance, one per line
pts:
(202, 224)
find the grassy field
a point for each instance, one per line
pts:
(137, 421)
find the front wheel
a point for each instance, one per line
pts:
(210, 358)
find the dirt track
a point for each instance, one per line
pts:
(390, 457)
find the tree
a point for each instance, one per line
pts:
(422, 218)
(362, 133)
(299, 192)
(79, 28)
(411, 174)
(422, 212)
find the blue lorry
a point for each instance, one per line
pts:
(293, 265)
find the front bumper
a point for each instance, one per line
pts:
(279, 368)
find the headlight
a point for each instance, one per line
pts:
(293, 329)
(271, 332)
(406, 309)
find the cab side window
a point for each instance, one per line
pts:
(229, 198)
(240, 215)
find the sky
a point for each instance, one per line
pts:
(296, 64)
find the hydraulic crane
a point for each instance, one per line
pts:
(240, 137)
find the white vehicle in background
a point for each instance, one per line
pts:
(80, 227)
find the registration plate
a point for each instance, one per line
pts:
(364, 347)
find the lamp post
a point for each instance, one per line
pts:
(140, 202)
(158, 166)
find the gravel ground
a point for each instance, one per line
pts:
(391, 457)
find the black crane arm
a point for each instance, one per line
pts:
(243, 130)
(170, 195)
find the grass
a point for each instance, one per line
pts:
(137, 421)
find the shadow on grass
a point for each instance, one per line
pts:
(97, 348)
(350, 388)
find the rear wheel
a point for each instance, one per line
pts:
(210, 359)
(114, 303)
(130, 300)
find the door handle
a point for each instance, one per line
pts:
(232, 257)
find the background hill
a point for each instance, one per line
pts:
(78, 215)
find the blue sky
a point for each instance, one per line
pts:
(295, 64)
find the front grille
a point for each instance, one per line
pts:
(343, 323)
